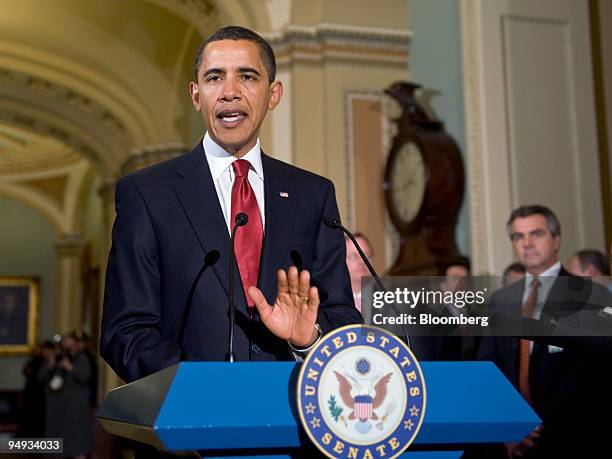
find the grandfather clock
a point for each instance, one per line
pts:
(424, 185)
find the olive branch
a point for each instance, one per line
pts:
(334, 409)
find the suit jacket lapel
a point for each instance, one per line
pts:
(561, 299)
(197, 195)
(280, 206)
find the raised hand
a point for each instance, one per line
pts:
(294, 313)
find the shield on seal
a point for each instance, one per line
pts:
(363, 407)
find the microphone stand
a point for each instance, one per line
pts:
(335, 223)
(241, 219)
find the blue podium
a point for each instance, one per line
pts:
(249, 408)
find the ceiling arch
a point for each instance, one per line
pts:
(49, 109)
(37, 202)
(108, 78)
(128, 61)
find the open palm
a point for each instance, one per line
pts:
(294, 313)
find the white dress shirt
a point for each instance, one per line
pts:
(220, 164)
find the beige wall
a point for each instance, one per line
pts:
(530, 121)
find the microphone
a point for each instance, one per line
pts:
(241, 219)
(335, 223)
(209, 260)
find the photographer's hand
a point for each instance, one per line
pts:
(66, 364)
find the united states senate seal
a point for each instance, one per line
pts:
(361, 394)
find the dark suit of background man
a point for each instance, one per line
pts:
(567, 387)
(170, 246)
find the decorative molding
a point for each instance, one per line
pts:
(53, 187)
(23, 83)
(69, 245)
(352, 95)
(23, 96)
(55, 171)
(201, 14)
(151, 155)
(25, 152)
(106, 191)
(472, 86)
(61, 211)
(391, 112)
(388, 129)
(37, 201)
(44, 128)
(200, 9)
(338, 42)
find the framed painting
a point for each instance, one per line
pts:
(18, 314)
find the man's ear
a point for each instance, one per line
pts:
(276, 92)
(557, 242)
(592, 271)
(194, 92)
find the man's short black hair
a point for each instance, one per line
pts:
(514, 268)
(595, 258)
(459, 260)
(527, 211)
(240, 33)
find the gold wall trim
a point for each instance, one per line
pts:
(472, 87)
(601, 116)
(340, 43)
(388, 130)
(143, 157)
(33, 285)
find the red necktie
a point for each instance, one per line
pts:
(248, 241)
(524, 348)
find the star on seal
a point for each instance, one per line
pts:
(310, 408)
(315, 422)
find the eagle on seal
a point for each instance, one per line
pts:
(363, 406)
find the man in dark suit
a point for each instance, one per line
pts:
(167, 284)
(558, 382)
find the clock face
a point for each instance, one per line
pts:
(408, 182)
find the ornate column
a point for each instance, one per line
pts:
(107, 195)
(69, 312)
(153, 154)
